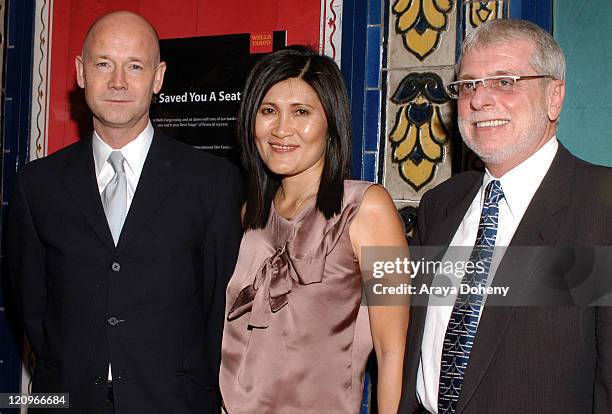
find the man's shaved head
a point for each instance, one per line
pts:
(121, 18)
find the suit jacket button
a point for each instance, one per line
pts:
(116, 267)
(112, 321)
(98, 380)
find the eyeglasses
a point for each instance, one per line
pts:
(496, 84)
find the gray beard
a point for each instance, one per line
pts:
(506, 152)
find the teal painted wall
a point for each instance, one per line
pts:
(582, 28)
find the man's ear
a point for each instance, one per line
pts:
(78, 63)
(160, 70)
(556, 92)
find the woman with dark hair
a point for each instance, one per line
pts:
(296, 338)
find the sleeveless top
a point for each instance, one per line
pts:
(296, 339)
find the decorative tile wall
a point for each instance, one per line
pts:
(40, 88)
(418, 131)
(476, 13)
(421, 38)
(330, 29)
(423, 32)
(418, 127)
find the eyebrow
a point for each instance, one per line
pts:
(129, 59)
(467, 76)
(292, 104)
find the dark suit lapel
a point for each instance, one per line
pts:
(159, 174)
(458, 203)
(79, 177)
(540, 226)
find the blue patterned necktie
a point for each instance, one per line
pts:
(461, 329)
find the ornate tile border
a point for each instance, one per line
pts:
(40, 87)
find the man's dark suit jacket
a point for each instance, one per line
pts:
(528, 359)
(154, 305)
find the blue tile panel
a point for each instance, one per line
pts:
(361, 66)
(373, 57)
(16, 118)
(9, 162)
(369, 166)
(539, 12)
(367, 393)
(375, 11)
(354, 37)
(371, 109)
(372, 120)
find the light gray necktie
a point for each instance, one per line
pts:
(114, 196)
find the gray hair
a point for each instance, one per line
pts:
(547, 58)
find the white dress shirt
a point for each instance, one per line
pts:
(134, 153)
(519, 185)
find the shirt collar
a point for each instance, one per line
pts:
(520, 183)
(135, 152)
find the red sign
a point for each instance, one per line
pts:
(261, 42)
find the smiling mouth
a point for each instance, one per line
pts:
(283, 148)
(491, 123)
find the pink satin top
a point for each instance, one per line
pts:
(296, 339)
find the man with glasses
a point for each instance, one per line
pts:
(467, 355)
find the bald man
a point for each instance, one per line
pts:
(121, 245)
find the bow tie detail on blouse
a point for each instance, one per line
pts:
(272, 284)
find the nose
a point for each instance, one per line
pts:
(118, 80)
(283, 126)
(481, 97)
